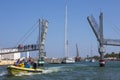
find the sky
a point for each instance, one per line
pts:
(18, 16)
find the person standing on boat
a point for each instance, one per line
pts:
(17, 63)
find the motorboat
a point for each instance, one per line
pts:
(68, 60)
(14, 70)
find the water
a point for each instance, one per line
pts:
(77, 71)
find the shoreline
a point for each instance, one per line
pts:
(6, 62)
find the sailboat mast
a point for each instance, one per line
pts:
(39, 37)
(66, 33)
(77, 50)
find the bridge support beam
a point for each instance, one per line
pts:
(43, 27)
(41, 61)
(101, 48)
(102, 60)
(102, 63)
(98, 31)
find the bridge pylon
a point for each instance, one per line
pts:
(98, 31)
(43, 27)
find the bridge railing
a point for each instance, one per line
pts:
(20, 48)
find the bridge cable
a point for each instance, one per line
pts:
(28, 33)
(114, 27)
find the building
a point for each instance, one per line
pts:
(12, 56)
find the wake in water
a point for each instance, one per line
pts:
(52, 69)
(21, 74)
(55, 69)
(3, 73)
(44, 71)
(65, 67)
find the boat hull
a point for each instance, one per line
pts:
(77, 59)
(13, 70)
(68, 61)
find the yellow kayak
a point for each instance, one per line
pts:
(14, 70)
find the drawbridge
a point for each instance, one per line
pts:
(20, 48)
(39, 46)
(98, 31)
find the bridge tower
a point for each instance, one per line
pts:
(98, 31)
(43, 27)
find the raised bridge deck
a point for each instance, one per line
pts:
(20, 48)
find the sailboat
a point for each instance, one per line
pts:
(67, 59)
(77, 58)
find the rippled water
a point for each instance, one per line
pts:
(77, 71)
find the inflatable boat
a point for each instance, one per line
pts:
(14, 70)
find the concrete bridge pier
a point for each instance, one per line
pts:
(102, 60)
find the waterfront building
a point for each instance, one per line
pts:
(12, 56)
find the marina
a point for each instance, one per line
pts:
(58, 45)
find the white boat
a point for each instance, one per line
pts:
(92, 60)
(67, 59)
(87, 60)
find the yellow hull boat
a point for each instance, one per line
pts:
(14, 70)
